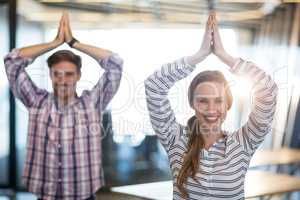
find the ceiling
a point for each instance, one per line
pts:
(180, 12)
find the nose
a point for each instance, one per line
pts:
(61, 79)
(211, 107)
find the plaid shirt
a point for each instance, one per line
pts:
(64, 145)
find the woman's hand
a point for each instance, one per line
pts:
(206, 46)
(217, 48)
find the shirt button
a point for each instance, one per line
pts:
(59, 180)
(59, 164)
(59, 146)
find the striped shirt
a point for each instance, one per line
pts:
(63, 145)
(224, 165)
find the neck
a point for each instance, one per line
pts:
(62, 102)
(211, 138)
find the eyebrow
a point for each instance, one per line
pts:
(62, 71)
(207, 96)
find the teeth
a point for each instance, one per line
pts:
(211, 119)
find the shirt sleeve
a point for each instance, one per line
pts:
(264, 98)
(157, 86)
(108, 84)
(20, 83)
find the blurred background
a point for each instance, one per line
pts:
(147, 34)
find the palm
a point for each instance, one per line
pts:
(218, 48)
(67, 29)
(206, 47)
(59, 39)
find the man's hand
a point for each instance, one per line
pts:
(39, 49)
(60, 37)
(67, 28)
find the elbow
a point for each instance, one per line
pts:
(147, 84)
(274, 90)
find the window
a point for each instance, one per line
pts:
(4, 98)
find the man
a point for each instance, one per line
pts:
(64, 136)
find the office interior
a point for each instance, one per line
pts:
(147, 34)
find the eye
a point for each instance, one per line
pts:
(69, 74)
(201, 100)
(219, 100)
(56, 74)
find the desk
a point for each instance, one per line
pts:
(257, 184)
(275, 157)
(260, 183)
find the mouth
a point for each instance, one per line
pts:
(211, 118)
(62, 89)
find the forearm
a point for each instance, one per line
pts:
(196, 58)
(37, 50)
(177, 70)
(263, 105)
(95, 52)
(227, 59)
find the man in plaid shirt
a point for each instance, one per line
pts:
(64, 134)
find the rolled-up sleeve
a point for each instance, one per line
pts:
(20, 83)
(108, 84)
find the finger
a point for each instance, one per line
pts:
(67, 19)
(209, 23)
(64, 16)
(59, 28)
(215, 31)
(61, 21)
(215, 18)
(64, 19)
(217, 37)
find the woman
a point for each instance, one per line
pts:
(206, 161)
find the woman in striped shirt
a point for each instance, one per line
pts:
(206, 161)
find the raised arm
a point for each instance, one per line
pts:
(217, 47)
(206, 46)
(264, 96)
(34, 51)
(108, 84)
(16, 61)
(157, 86)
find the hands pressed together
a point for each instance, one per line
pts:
(64, 34)
(212, 42)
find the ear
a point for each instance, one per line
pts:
(192, 106)
(50, 73)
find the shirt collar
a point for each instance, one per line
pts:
(66, 107)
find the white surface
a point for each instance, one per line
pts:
(158, 190)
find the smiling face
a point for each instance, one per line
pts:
(64, 76)
(210, 105)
